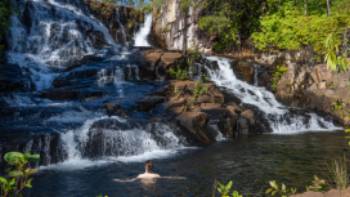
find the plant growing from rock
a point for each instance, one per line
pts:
(335, 58)
(178, 73)
(279, 190)
(19, 175)
(199, 90)
(317, 185)
(277, 75)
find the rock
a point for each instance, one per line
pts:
(196, 124)
(316, 88)
(169, 58)
(249, 115)
(167, 28)
(245, 71)
(330, 193)
(149, 102)
(122, 21)
(70, 94)
(13, 78)
(158, 62)
(114, 109)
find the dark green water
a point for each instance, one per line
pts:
(249, 162)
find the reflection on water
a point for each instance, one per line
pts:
(249, 162)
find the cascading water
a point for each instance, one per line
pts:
(50, 35)
(49, 39)
(142, 35)
(281, 119)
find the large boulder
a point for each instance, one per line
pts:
(157, 62)
(196, 124)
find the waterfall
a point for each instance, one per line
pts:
(116, 139)
(46, 36)
(142, 35)
(280, 118)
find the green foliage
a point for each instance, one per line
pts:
(19, 174)
(178, 73)
(347, 131)
(277, 75)
(339, 173)
(338, 105)
(199, 90)
(279, 190)
(317, 185)
(227, 190)
(102, 195)
(334, 61)
(230, 23)
(222, 28)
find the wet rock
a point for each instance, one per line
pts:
(245, 71)
(70, 94)
(49, 146)
(113, 108)
(149, 102)
(196, 124)
(13, 78)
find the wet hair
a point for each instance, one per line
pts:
(148, 166)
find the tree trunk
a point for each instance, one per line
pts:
(305, 7)
(328, 7)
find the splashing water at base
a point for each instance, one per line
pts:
(281, 120)
(134, 144)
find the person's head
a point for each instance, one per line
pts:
(148, 166)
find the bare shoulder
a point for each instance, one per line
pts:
(148, 176)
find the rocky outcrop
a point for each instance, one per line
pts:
(330, 193)
(200, 109)
(317, 88)
(157, 62)
(121, 21)
(168, 27)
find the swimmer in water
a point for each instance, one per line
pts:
(148, 172)
(148, 176)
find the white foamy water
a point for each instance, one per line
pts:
(133, 144)
(281, 120)
(142, 35)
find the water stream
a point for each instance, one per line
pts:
(281, 119)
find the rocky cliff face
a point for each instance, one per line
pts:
(122, 21)
(310, 85)
(168, 27)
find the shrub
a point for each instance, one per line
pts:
(339, 173)
(19, 174)
(291, 30)
(178, 73)
(227, 190)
